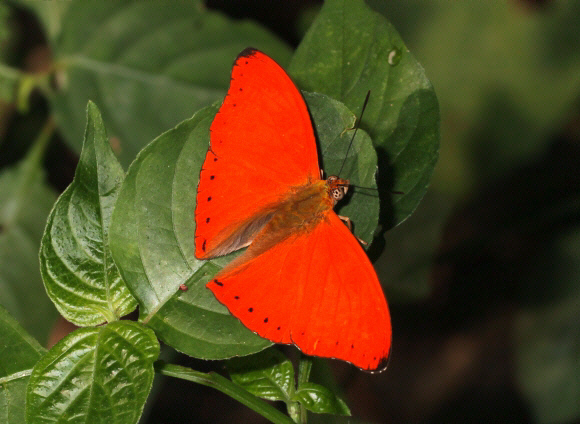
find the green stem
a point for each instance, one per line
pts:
(225, 386)
(304, 368)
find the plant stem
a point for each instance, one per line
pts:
(304, 368)
(224, 385)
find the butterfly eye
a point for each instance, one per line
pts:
(337, 194)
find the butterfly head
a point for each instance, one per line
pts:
(337, 188)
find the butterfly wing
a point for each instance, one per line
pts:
(261, 144)
(315, 289)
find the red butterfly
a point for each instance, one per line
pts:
(304, 278)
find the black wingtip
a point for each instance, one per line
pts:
(247, 52)
(382, 365)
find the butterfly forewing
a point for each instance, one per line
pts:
(261, 144)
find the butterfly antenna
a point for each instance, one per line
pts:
(355, 130)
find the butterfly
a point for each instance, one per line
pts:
(304, 279)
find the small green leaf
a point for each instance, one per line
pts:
(21, 227)
(78, 271)
(19, 352)
(268, 374)
(147, 65)
(351, 49)
(319, 399)
(96, 375)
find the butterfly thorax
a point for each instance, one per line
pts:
(303, 208)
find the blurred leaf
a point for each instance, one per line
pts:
(50, 14)
(268, 374)
(153, 232)
(9, 78)
(78, 271)
(5, 28)
(95, 375)
(21, 227)
(19, 352)
(548, 339)
(148, 66)
(320, 400)
(505, 72)
(349, 50)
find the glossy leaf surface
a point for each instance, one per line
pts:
(98, 375)
(19, 352)
(78, 271)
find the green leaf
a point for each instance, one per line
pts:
(225, 386)
(96, 375)
(78, 271)
(351, 49)
(334, 125)
(152, 240)
(9, 78)
(319, 399)
(268, 374)
(25, 202)
(153, 231)
(147, 65)
(19, 352)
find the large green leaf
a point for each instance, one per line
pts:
(351, 49)
(96, 375)
(334, 127)
(153, 230)
(19, 352)
(147, 65)
(152, 240)
(25, 202)
(79, 274)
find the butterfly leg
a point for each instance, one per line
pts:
(347, 221)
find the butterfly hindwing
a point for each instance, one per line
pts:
(261, 144)
(315, 289)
